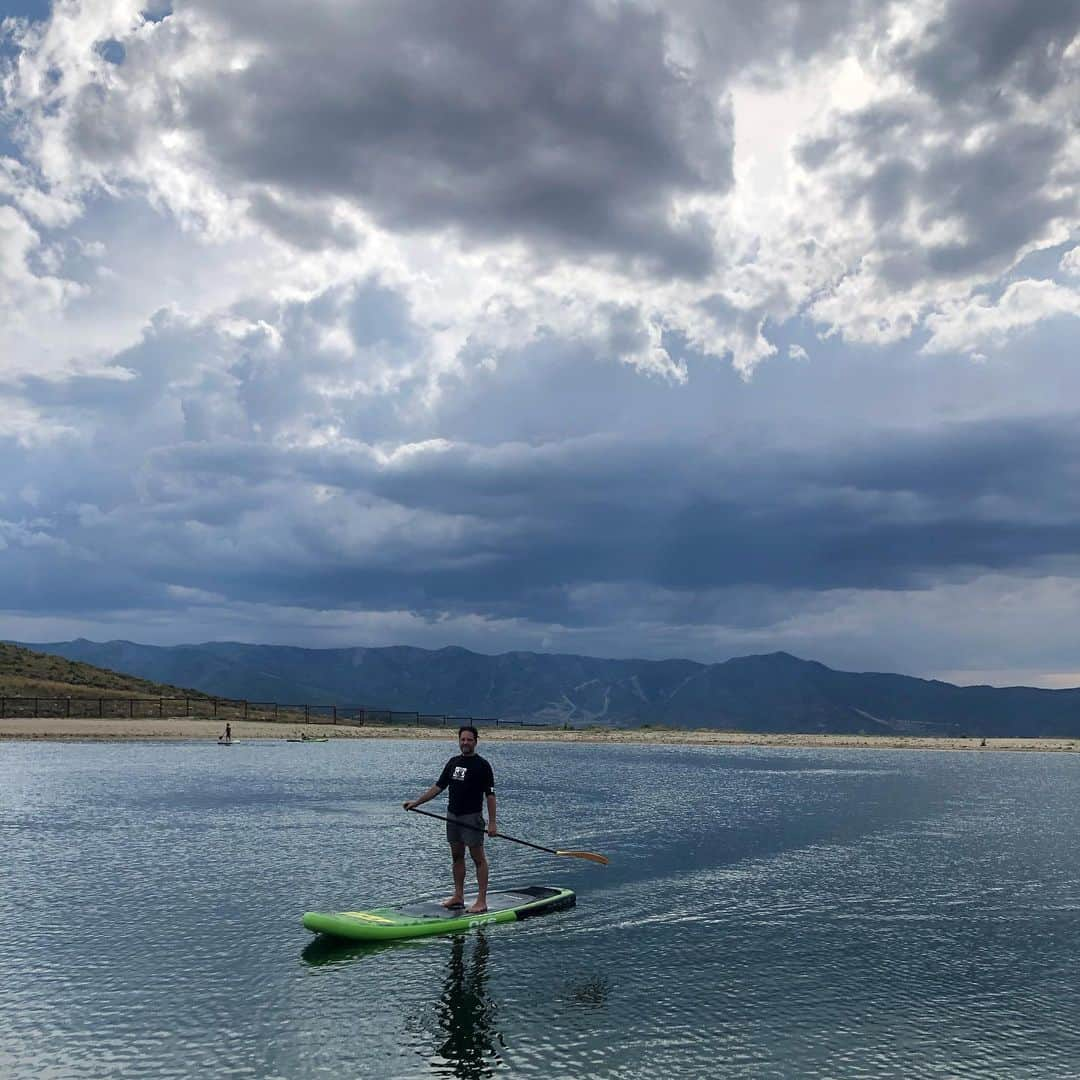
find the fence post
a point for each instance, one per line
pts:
(275, 710)
(131, 708)
(35, 708)
(3, 707)
(245, 710)
(305, 714)
(67, 712)
(100, 707)
(334, 707)
(160, 708)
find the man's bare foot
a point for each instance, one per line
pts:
(478, 908)
(453, 902)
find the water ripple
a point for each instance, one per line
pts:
(811, 913)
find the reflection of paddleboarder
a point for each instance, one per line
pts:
(466, 1013)
(470, 779)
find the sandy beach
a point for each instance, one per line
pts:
(75, 729)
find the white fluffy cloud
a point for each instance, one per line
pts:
(981, 326)
(27, 289)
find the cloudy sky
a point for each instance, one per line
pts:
(623, 327)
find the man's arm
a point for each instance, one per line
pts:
(492, 828)
(426, 797)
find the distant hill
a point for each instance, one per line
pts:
(776, 693)
(25, 673)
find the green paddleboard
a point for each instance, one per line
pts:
(424, 917)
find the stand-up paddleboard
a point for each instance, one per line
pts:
(424, 917)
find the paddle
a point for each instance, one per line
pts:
(590, 855)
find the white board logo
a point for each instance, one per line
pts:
(460, 772)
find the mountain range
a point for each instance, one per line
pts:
(774, 693)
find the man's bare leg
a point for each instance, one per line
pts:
(480, 859)
(457, 855)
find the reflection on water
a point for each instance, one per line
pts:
(469, 1041)
(327, 950)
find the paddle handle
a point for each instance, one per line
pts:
(504, 836)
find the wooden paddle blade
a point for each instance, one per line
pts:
(590, 855)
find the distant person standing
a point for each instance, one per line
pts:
(227, 737)
(470, 780)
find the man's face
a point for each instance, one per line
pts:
(467, 742)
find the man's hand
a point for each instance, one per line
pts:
(408, 805)
(491, 829)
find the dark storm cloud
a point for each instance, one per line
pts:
(534, 523)
(308, 228)
(575, 126)
(878, 130)
(998, 196)
(558, 121)
(876, 515)
(763, 38)
(979, 47)
(999, 193)
(43, 583)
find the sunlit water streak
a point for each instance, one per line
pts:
(772, 913)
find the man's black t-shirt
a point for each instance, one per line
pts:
(469, 778)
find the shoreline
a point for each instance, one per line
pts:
(76, 729)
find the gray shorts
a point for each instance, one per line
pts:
(467, 829)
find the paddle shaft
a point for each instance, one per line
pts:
(504, 836)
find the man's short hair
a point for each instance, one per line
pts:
(468, 727)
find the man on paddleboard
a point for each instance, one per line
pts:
(471, 781)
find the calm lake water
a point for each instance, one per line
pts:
(766, 913)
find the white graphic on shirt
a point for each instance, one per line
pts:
(459, 772)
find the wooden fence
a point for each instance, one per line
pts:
(232, 709)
